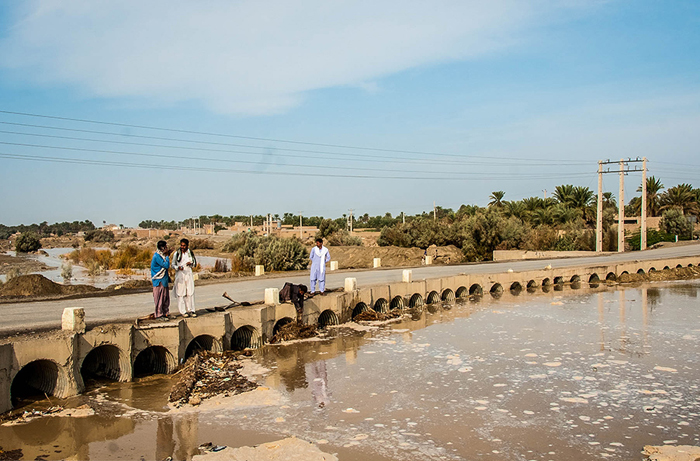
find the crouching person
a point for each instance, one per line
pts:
(294, 294)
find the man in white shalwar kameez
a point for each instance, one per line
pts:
(183, 289)
(319, 257)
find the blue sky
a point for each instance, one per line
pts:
(434, 101)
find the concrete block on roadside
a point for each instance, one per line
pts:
(73, 319)
(428, 260)
(259, 270)
(334, 265)
(350, 284)
(407, 275)
(272, 296)
(377, 262)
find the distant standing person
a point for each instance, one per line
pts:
(319, 257)
(183, 288)
(160, 263)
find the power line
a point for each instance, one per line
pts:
(225, 170)
(338, 146)
(182, 157)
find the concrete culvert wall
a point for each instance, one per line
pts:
(462, 292)
(103, 362)
(611, 276)
(476, 290)
(36, 379)
(327, 317)
(516, 288)
(381, 305)
(280, 323)
(154, 360)
(396, 303)
(496, 290)
(593, 278)
(433, 297)
(415, 301)
(200, 344)
(448, 295)
(359, 308)
(245, 337)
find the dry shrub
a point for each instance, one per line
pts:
(236, 264)
(201, 244)
(126, 257)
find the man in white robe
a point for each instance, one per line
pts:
(319, 257)
(183, 289)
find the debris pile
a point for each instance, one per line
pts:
(370, 315)
(11, 455)
(292, 331)
(207, 375)
(676, 273)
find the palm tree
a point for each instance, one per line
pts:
(497, 198)
(564, 214)
(654, 186)
(683, 197)
(563, 193)
(542, 217)
(516, 209)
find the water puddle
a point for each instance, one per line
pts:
(584, 374)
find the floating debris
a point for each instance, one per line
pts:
(293, 331)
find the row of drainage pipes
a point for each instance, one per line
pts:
(42, 377)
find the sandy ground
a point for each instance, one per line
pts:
(289, 449)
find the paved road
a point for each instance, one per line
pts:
(47, 314)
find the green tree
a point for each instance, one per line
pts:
(654, 188)
(496, 198)
(27, 242)
(683, 197)
(674, 222)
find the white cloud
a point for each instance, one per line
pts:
(251, 57)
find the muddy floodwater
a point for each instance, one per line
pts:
(565, 375)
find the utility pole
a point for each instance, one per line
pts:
(300, 226)
(434, 211)
(545, 193)
(350, 219)
(621, 211)
(403, 217)
(624, 169)
(643, 230)
(599, 214)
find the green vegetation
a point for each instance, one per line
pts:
(276, 254)
(674, 222)
(45, 229)
(27, 242)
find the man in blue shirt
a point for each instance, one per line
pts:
(159, 275)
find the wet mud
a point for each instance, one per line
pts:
(573, 374)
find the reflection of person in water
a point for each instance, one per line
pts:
(318, 381)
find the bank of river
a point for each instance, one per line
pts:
(578, 374)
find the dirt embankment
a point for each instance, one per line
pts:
(362, 257)
(35, 285)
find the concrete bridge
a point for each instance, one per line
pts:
(58, 362)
